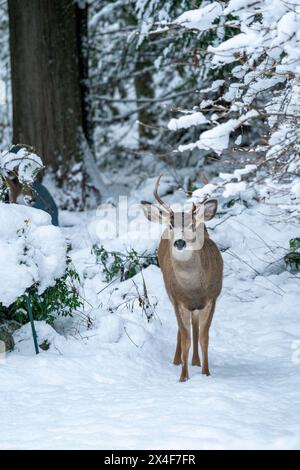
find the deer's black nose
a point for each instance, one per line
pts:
(180, 244)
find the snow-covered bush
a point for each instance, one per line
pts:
(22, 164)
(292, 259)
(33, 259)
(125, 265)
(262, 87)
(136, 76)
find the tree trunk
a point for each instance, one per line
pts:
(83, 57)
(144, 89)
(49, 97)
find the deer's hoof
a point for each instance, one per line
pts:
(196, 361)
(177, 362)
(205, 372)
(184, 378)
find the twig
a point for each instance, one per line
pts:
(136, 345)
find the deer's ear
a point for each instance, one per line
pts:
(153, 213)
(210, 209)
(206, 211)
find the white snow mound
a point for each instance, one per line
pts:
(31, 251)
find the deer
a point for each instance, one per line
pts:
(15, 188)
(192, 269)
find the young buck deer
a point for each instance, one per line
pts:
(192, 268)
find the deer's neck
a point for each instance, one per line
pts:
(188, 267)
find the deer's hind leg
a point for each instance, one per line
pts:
(206, 316)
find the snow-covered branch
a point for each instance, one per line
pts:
(263, 56)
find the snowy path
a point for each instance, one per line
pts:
(106, 392)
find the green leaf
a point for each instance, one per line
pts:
(295, 244)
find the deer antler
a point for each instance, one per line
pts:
(158, 198)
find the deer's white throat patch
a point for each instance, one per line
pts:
(182, 255)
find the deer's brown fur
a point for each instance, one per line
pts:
(193, 283)
(15, 189)
(193, 286)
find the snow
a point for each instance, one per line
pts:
(225, 52)
(107, 380)
(2, 92)
(202, 18)
(296, 189)
(238, 140)
(236, 5)
(217, 138)
(187, 121)
(286, 27)
(207, 190)
(206, 103)
(24, 163)
(215, 86)
(231, 189)
(238, 173)
(114, 386)
(31, 251)
(265, 54)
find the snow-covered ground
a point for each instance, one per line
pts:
(114, 385)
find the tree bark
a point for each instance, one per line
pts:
(49, 95)
(144, 89)
(83, 57)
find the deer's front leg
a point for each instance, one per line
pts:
(185, 333)
(195, 323)
(177, 357)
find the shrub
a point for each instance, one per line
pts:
(125, 265)
(34, 264)
(60, 299)
(292, 259)
(34, 259)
